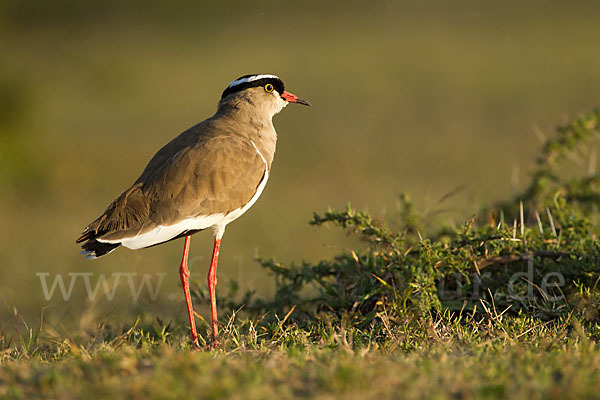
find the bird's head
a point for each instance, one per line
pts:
(265, 92)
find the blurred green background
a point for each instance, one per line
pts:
(415, 97)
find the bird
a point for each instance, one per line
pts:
(206, 177)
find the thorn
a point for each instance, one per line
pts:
(539, 133)
(521, 214)
(354, 257)
(476, 268)
(592, 163)
(514, 228)
(514, 176)
(574, 157)
(551, 221)
(539, 221)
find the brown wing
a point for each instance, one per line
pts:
(215, 176)
(195, 174)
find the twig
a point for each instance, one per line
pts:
(486, 262)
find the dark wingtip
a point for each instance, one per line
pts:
(85, 236)
(97, 249)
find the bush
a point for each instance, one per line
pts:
(534, 255)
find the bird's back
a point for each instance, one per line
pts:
(209, 170)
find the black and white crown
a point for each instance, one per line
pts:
(254, 80)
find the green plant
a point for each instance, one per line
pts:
(536, 254)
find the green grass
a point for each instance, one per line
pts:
(409, 313)
(503, 359)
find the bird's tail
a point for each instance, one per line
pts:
(93, 248)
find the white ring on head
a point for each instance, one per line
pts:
(251, 79)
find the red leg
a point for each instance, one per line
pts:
(184, 273)
(212, 284)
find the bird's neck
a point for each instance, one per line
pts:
(248, 114)
(245, 107)
(257, 124)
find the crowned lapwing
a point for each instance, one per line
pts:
(206, 177)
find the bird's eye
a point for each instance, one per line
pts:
(269, 87)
